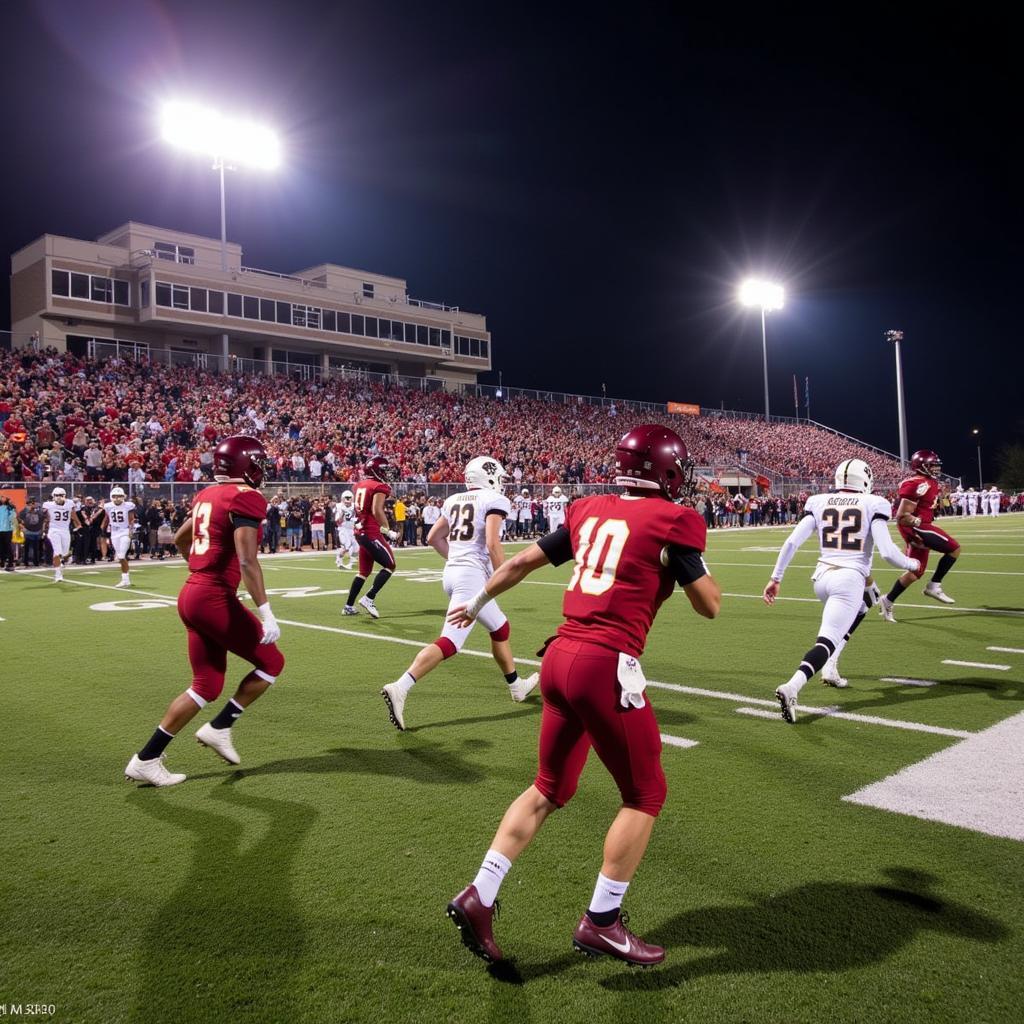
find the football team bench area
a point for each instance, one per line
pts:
(866, 864)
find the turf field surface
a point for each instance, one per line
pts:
(310, 884)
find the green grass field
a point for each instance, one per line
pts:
(311, 884)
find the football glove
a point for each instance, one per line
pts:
(271, 630)
(391, 535)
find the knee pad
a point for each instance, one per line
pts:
(502, 633)
(448, 648)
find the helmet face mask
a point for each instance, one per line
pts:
(59, 494)
(556, 492)
(117, 496)
(380, 468)
(347, 497)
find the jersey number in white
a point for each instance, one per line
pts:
(201, 528)
(598, 554)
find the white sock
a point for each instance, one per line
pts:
(607, 895)
(798, 680)
(490, 876)
(125, 578)
(406, 682)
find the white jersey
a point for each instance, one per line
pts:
(466, 514)
(345, 517)
(843, 521)
(118, 516)
(60, 516)
(555, 509)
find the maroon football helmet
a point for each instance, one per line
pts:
(923, 461)
(240, 458)
(381, 468)
(654, 457)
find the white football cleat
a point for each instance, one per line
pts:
(338, 560)
(885, 609)
(522, 688)
(152, 772)
(787, 701)
(366, 603)
(935, 590)
(830, 676)
(219, 741)
(58, 578)
(394, 697)
(349, 610)
(122, 585)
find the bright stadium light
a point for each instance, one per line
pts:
(767, 296)
(224, 139)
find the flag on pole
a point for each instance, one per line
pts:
(796, 398)
(807, 396)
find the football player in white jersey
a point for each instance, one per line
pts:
(120, 518)
(995, 500)
(972, 501)
(849, 523)
(345, 524)
(468, 537)
(556, 505)
(60, 518)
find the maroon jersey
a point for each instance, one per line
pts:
(215, 511)
(365, 490)
(923, 491)
(622, 572)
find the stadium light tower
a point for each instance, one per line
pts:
(229, 142)
(977, 437)
(768, 297)
(896, 337)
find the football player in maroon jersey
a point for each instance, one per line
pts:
(221, 542)
(372, 534)
(918, 494)
(630, 551)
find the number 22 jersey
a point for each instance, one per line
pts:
(843, 521)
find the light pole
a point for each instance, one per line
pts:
(977, 437)
(896, 337)
(768, 297)
(230, 142)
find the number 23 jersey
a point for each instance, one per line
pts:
(843, 521)
(466, 514)
(622, 575)
(215, 513)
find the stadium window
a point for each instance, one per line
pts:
(215, 301)
(197, 299)
(357, 324)
(166, 251)
(284, 312)
(250, 307)
(234, 304)
(60, 282)
(79, 286)
(344, 323)
(179, 296)
(422, 335)
(371, 326)
(330, 320)
(483, 348)
(367, 290)
(299, 315)
(313, 317)
(121, 293)
(267, 309)
(435, 336)
(144, 293)
(186, 255)
(410, 334)
(163, 294)
(474, 346)
(397, 330)
(446, 339)
(101, 290)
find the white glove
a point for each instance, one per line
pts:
(916, 566)
(271, 630)
(876, 594)
(391, 536)
(475, 606)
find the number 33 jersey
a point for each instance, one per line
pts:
(466, 515)
(216, 511)
(843, 521)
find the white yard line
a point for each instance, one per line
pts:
(977, 664)
(908, 682)
(1007, 650)
(874, 572)
(902, 604)
(677, 741)
(892, 723)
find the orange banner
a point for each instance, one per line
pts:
(684, 408)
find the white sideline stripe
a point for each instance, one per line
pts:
(677, 741)
(874, 572)
(775, 716)
(832, 712)
(1007, 650)
(977, 784)
(976, 664)
(902, 604)
(908, 682)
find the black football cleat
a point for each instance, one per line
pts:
(473, 920)
(615, 940)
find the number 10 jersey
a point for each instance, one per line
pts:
(843, 521)
(466, 514)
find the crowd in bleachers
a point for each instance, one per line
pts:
(66, 418)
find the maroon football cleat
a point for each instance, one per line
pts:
(473, 920)
(615, 940)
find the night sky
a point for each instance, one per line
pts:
(596, 185)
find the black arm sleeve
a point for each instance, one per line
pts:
(557, 546)
(237, 521)
(879, 515)
(687, 564)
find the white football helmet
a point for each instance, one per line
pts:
(854, 475)
(115, 493)
(58, 493)
(347, 497)
(483, 471)
(526, 492)
(556, 492)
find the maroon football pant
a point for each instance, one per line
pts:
(371, 550)
(924, 538)
(579, 683)
(217, 622)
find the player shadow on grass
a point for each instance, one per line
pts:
(892, 696)
(821, 926)
(532, 708)
(229, 941)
